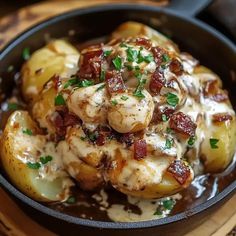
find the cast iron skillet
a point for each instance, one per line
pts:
(209, 46)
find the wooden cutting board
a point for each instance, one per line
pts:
(12, 219)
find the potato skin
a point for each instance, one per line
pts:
(216, 160)
(14, 146)
(56, 58)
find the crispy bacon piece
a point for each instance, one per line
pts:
(101, 139)
(157, 82)
(127, 138)
(157, 114)
(183, 124)
(140, 149)
(158, 53)
(221, 117)
(144, 42)
(180, 171)
(213, 91)
(176, 67)
(114, 82)
(56, 81)
(90, 64)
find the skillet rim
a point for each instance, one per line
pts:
(229, 190)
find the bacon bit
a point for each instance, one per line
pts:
(70, 119)
(213, 91)
(114, 82)
(56, 81)
(101, 139)
(157, 53)
(176, 67)
(144, 42)
(157, 82)
(183, 124)
(140, 149)
(157, 114)
(221, 117)
(90, 64)
(180, 171)
(127, 138)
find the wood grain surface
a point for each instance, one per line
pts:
(12, 219)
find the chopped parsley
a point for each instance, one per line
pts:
(71, 82)
(148, 58)
(27, 131)
(124, 97)
(71, 200)
(172, 99)
(83, 138)
(26, 54)
(85, 83)
(164, 117)
(158, 212)
(168, 204)
(117, 62)
(59, 100)
(46, 159)
(102, 76)
(138, 74)
(100, 87)
(129, 67)
(131, 55)
(165, 58)
(168, 144)
(12, 106)
(34, 166)
(138, 92)
(213, 143)
(107, 53)
(93, 136)
(123, 45)
(114, 102)
(169, 130)
(191, 141)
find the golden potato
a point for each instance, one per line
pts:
(134, 29)
(56, 58)
(218, 154)
(20, 148)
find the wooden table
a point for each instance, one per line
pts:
(12, 218)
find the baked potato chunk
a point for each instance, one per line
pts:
(134, 29)
(21, 144)
(56, 58)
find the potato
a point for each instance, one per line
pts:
(217, 159)
(43, 107)
(134, 29)
(56, 58)
(18, 149)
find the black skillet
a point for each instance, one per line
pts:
(209, 46)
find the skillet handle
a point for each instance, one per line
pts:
(188, 7)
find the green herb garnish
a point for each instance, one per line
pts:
(85, 83)
(12, 106)
(114, 102)
(102, 76)
(35, 165)
(27, 131)
(26, 54)
(148, 58)
(129, 67)
(107, 53)
(83, 138)
(138, 92)
(131, 55)
(71, 82)
(165, 58)
(164, 117)
(169, 130)
(168, 144)
(191, 141)
(59, 100)
(93, 136)
(123, 45)
(100, 87)
(117, 62)
(168, 204)
(124, 97)
(71, 200)
(172, 99)
(158, 212)
(46, 159)
(213, 143)
(138, 74)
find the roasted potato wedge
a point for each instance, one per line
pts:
(19, 148)
(57, 58)
(218, 154)
(134, 29)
